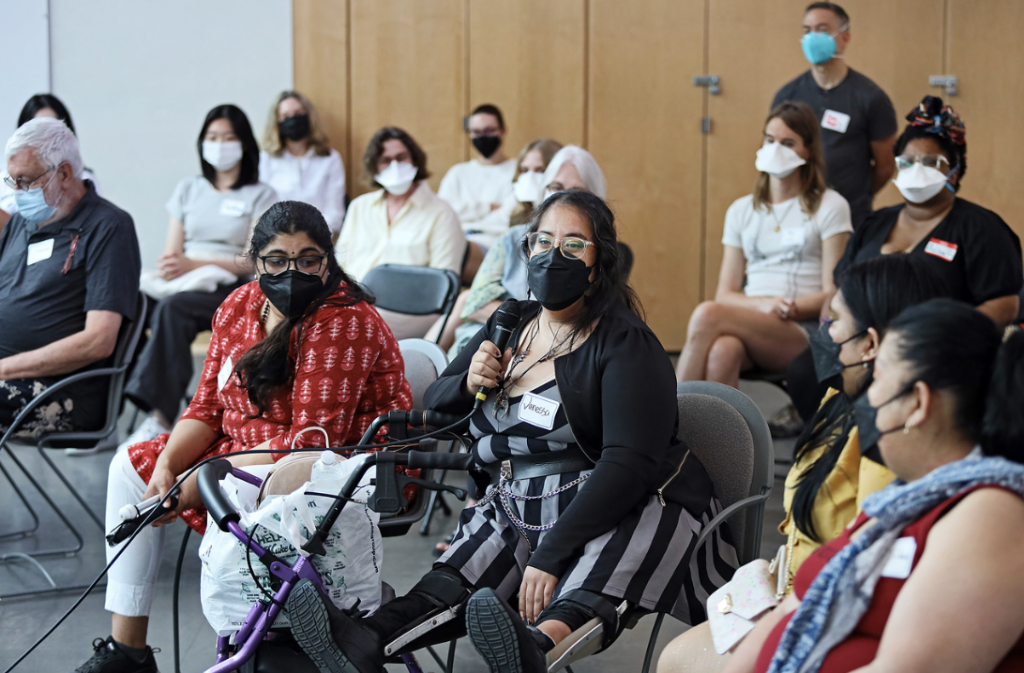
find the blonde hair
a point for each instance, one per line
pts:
(548, 149)
(800, 119)
(317, 139)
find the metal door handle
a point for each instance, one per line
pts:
(712, 82)
(948, 81)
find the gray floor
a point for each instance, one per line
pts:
(22, 622)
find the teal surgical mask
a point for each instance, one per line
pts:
(32, 203)
(820, 48)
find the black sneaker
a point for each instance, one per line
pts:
(110, 657)
(501, 636)
(334, 639)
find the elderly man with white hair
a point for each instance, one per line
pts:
(69, 275)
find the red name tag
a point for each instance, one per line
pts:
(939, 248)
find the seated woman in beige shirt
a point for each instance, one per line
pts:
(403, 222)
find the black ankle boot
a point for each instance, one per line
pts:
(110, 656)
(501, 637)
(336, 641)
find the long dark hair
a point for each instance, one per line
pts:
(875, 291)
(250, 173)
(951, 346)
(612, 284)
(270, 365)
(41, 101)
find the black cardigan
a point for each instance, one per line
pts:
(618, 392)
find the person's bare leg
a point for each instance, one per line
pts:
(726, 360)
(700, 336)
(556, 630)
(130, 631)
(692, 652)
(474, 258)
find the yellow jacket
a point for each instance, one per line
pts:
(838, 501)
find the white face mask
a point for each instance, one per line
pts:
(918, 183)
(222, 156)
(397, 178)
(528, 187)
(777, 160)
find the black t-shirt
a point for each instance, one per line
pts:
(865, 114)
(40, 304)
(972, 249)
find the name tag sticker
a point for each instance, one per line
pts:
(225, 374)
(901, 559)
(936, 247)
(37, 252)
(232, 208)
(836, 121)
(793, 236)
(537, 410)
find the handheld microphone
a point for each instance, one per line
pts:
(505, 321)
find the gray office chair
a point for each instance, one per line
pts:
(414, 290)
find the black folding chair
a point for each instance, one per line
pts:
(126, 342)
(414, 290)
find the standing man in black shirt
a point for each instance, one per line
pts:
(858, 122)
(69, 276)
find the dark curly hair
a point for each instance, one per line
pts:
(269, 365)
(375, 148)
(931, 119)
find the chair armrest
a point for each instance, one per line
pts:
(46, 394)
(717, 522)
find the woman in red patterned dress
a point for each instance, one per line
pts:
(300, 347)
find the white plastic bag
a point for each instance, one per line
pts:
(282, 524)
(205, 278)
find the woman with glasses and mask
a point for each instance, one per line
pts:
(781, 244)
(927, 577)
(212, 216)
(589, 513)
(972, 249)
(297, 159)
(300, 347)
(835, 466)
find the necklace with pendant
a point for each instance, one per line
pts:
(502, 401)
(265, 313)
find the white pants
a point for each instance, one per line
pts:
(132, 578)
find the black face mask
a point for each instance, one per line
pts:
(825, 352)
(868, 433)
(487, 145)
(294, 128)
(556, 280)
(291, 292)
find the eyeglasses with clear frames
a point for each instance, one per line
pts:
(570, 246)
(278, 264)
(936, 161)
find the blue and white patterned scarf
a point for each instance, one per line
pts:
(840, 594)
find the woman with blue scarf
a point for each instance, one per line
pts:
(927, 578)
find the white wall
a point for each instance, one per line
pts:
(27, 50)
(139, 78)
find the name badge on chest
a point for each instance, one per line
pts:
(232, 208)
(793, 236)
(835, 121)
(37, 252)
(225, 374)
(936, 247)
(901, 559)
(537, 410)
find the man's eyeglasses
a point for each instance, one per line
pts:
(276, 264)
(570, 246)
(937, 161)
(24, 184)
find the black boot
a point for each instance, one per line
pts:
(110, 656)
(501, 636)
(336, 641)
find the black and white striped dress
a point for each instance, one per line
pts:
(646, 559)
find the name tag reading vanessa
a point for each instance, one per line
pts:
(939, 248)
(537, 410)
(835, 121)
(232, 208)
(225, 373)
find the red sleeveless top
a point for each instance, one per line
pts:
(860, 647)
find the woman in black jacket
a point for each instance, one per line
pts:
(594, 503)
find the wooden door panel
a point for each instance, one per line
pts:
(527, 57)
(643, 129)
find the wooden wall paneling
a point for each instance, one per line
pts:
(527, 57)
(644, 130)
(986, 54)
(408, 70)
(320, 38)
(755, 48)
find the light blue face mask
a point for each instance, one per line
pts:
(819, 48)
(32, 203)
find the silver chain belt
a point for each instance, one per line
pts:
(506, 495)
